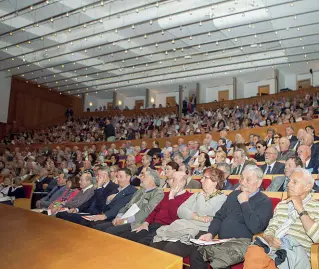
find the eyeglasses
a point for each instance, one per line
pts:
(276, 136)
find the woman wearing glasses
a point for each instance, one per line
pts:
(261, 147)
(277, 137)
(195, 215)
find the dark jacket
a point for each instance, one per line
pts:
(119, 201)
(249, 218)
(228, 186)
(96, 203)
(293, 138)
(277, 169)
(109, 130)
(17, 193)
(313, 165)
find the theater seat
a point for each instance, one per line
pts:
(266, 183)
(25, 203)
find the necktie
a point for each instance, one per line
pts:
(268, 169)
(285, 183)
(238, 170)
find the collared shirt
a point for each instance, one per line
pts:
(87, 188)
(267, 167)
(148, 190)
(254, 193)
(107, 183)
(307, 163)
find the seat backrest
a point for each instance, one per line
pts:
(266, 183)
(275, 202)
(28, 188)
(233, 181)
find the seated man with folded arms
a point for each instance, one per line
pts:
(246, 212)
(164, 213)
(279, 183)
(53, 195)
(96, 203)
(295, 222)
(145, 200)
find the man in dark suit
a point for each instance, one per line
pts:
(280, 183)
(272, 167)
(290, 134)
(294, 145)
(240, 162)
(309, 163)
(285, 152)
(226, 169)
(96, 203)
(147, 162)
(307, 140)
(109, 131)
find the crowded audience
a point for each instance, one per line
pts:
(166, 197)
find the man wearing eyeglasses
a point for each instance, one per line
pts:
(280, 183)
(271, 166)
(246, 212)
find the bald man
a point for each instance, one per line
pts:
(164, 213)
(294, 145)
(309, 163)
(307, 140)
(285, 152)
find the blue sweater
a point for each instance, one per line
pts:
(235, 220)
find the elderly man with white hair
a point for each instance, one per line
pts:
(246, 212)
(164, 213)
(145, 200)
(295, 223)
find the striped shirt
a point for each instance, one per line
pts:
(296, 230)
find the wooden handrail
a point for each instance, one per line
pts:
(262, 131)
(257, 99)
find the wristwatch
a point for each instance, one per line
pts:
(126, 221)
(304, 212)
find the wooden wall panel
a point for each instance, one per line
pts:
(33, 107)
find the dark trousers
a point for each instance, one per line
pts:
(72, 217)
(108, 227)
(143, 237)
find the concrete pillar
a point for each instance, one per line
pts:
(234, 88)
(114, 99)
(180, 103)
(147, 99)
(276, 73)
(198, 93)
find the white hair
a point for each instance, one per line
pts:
(254, 168)
(306, 175)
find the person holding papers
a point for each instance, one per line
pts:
(96, 203)
(195, 215)
(141, 205)
(164, 213)
(246, 212)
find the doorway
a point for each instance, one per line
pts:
(171, 101)
(109, 105)
(263, 90)
(223, 95)
(304, 84)
(139, 104)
